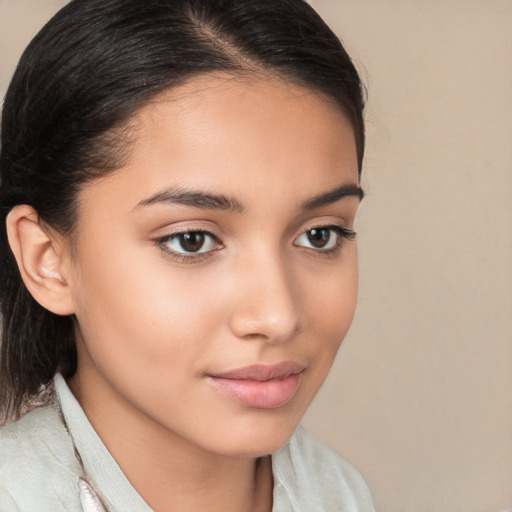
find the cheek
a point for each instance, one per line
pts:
(145, 310)
(329, 297)
(329, 303)
(332, 294)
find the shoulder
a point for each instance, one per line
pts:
(38, 470)
(309, 474)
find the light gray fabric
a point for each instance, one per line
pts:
(39, 471)
(309, 476)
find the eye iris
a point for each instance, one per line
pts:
(319, 237)
(192, 242)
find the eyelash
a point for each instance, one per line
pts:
(342, 234)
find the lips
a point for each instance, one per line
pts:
(260, 386)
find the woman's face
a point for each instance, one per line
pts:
(215, 274)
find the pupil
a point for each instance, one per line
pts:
(319, 237)
(192, 242)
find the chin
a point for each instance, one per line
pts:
(260, 437)
(255, 447)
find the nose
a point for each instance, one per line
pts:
(267, 298)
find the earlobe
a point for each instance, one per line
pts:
(42, 262)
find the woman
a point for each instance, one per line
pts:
(179, 186)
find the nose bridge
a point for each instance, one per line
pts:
(267, 302)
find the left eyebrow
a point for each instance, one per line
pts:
(326, 198)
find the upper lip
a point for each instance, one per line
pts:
(262, 372)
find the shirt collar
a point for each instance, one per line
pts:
(102, 471)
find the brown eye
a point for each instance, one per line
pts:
(324, 239)
(319, 237)
(191, 242)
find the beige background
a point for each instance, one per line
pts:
(420, 399)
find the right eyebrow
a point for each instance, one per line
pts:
(195, 198)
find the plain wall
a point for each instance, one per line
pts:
(420, 398)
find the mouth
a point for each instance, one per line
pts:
(260, 386)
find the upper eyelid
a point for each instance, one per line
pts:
(193, 229)
(169, 231)
(327, 220)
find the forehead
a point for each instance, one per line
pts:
(245, 136)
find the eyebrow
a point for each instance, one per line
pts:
(211, 201)
(195, 198)
(326, 198)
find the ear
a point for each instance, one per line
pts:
(43, 263)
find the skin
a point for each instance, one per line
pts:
(152, 326)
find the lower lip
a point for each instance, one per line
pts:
(269, 394)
